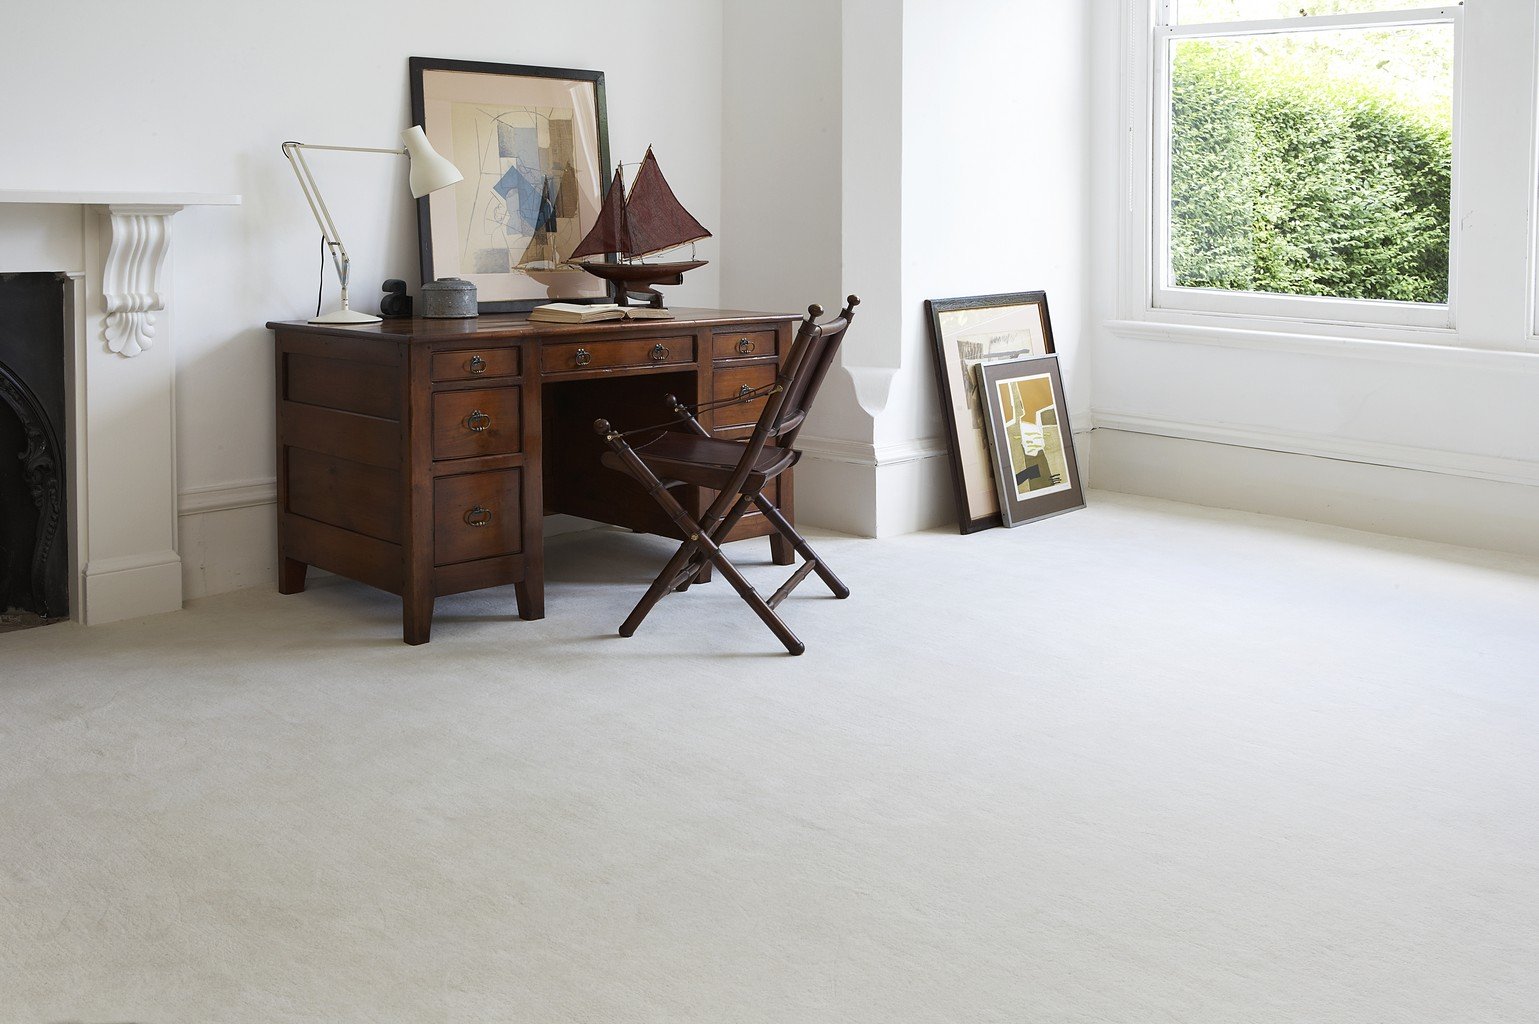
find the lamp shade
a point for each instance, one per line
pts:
(429, 171)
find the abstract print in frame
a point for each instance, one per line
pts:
(967, 332)
(1029, 439)
(533, 145)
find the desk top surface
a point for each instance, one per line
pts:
(516, 325)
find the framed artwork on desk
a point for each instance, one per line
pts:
(967, 332)
(533, 145)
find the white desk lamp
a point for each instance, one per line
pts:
(429, 173)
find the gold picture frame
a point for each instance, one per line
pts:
(1031, 445)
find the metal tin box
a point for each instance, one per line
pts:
(449, 298)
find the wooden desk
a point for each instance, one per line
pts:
(421, 456)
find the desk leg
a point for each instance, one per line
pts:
(530, 590)
(417, 619)
(781, 550)
(291, 576)
(531, 598)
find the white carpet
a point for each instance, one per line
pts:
(1140, 763)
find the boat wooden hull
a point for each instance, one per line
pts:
(640, 278)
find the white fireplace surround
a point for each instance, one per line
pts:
(116, 247)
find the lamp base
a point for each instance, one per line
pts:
(346, 316)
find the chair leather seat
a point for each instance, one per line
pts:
(705, 461)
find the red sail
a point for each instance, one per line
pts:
(609, 232)
(655, 218)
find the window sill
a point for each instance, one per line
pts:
(1406, 345)
(1305, 310)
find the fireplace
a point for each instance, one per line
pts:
(96, 484)
(34, 545)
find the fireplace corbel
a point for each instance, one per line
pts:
(133, 289)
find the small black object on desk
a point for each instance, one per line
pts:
(396, 302)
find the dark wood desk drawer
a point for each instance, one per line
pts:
(601, 355)
(743, 344)
(476, 516)
(473, 364)
(471, 423)
(734, 381)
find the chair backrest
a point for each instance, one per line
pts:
(812, 356)
(802, 373)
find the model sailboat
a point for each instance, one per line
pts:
(648, 221)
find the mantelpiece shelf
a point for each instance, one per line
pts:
(98, 198)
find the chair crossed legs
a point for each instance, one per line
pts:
(737, 470)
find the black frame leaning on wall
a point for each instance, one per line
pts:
(970, 520)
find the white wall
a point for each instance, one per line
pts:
(787, 166)
(995, 149)
(1423, 433)
(781, 169)
(182, 95)
(964, 153)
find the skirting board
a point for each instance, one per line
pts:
(1403, 502)
(127, 588)
(228, 533)
(228, 549)
(883, 490)
(228, 536)
(872, 490)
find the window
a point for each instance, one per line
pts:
(1304, 162)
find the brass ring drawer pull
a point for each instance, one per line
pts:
(477, 365)
(478, 422)
(744, 391)
(744, 346)
(659, 352)
(583, 357)
(478, 516)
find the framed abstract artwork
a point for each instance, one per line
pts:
(533, 145)
(1030, 443)
(966, 333)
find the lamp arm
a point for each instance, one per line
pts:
(346, 149)
(318, 210)
(429, 173)
(329, 233)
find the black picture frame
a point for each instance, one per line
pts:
(954, 324)
(590, 289)
(1035, 468)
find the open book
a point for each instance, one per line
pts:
(587, 313)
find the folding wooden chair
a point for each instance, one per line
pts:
(737, 470)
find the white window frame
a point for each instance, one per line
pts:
(1158, 294)
(1532, 298)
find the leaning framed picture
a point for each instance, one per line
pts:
(1031, 446)
(533, 145)
(966, 332)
